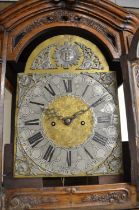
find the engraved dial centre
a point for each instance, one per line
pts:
(68, 131)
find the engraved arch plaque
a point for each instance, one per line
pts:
(66, 52)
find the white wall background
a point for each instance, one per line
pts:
(123, 119)
(127, 3)
(124, 3)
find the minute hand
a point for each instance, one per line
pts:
(96, 103)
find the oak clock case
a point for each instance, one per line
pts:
(67, 122)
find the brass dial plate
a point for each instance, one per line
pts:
(67, 125)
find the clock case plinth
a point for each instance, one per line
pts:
(30, 22)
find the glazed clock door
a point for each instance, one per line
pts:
(67, 118)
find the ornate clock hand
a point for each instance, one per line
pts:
(69, 119)
(52, 113)
(96, 103)
(76, 114)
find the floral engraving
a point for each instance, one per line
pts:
(24, 202)
(66, 55)
(63, 16)
(111, 197)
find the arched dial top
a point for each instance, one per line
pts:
(66, 53)
(67, 124)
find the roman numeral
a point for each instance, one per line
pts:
(99, 101)
(32, 122)
(49, 153)
(68, 85)
(88, 153)
(35, 139)
(104, 119)
(50, 90)
(36, 103)
(100, 139)
(69, 158)
(85, 90)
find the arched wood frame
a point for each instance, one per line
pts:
(16, 52)
(112, 25)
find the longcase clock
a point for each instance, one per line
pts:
(61, 61)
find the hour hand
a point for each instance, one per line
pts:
(76, 114)
(51, 113)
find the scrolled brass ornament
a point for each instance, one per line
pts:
(68, 53)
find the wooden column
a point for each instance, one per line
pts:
(3, 52)
(133, 68)
(130, 67)
(130, 117)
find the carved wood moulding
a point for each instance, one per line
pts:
(135, 69)
(26, 19)
(103, 10)
(69, 17)
(65, 18)
(114, 196)
(134, 49)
